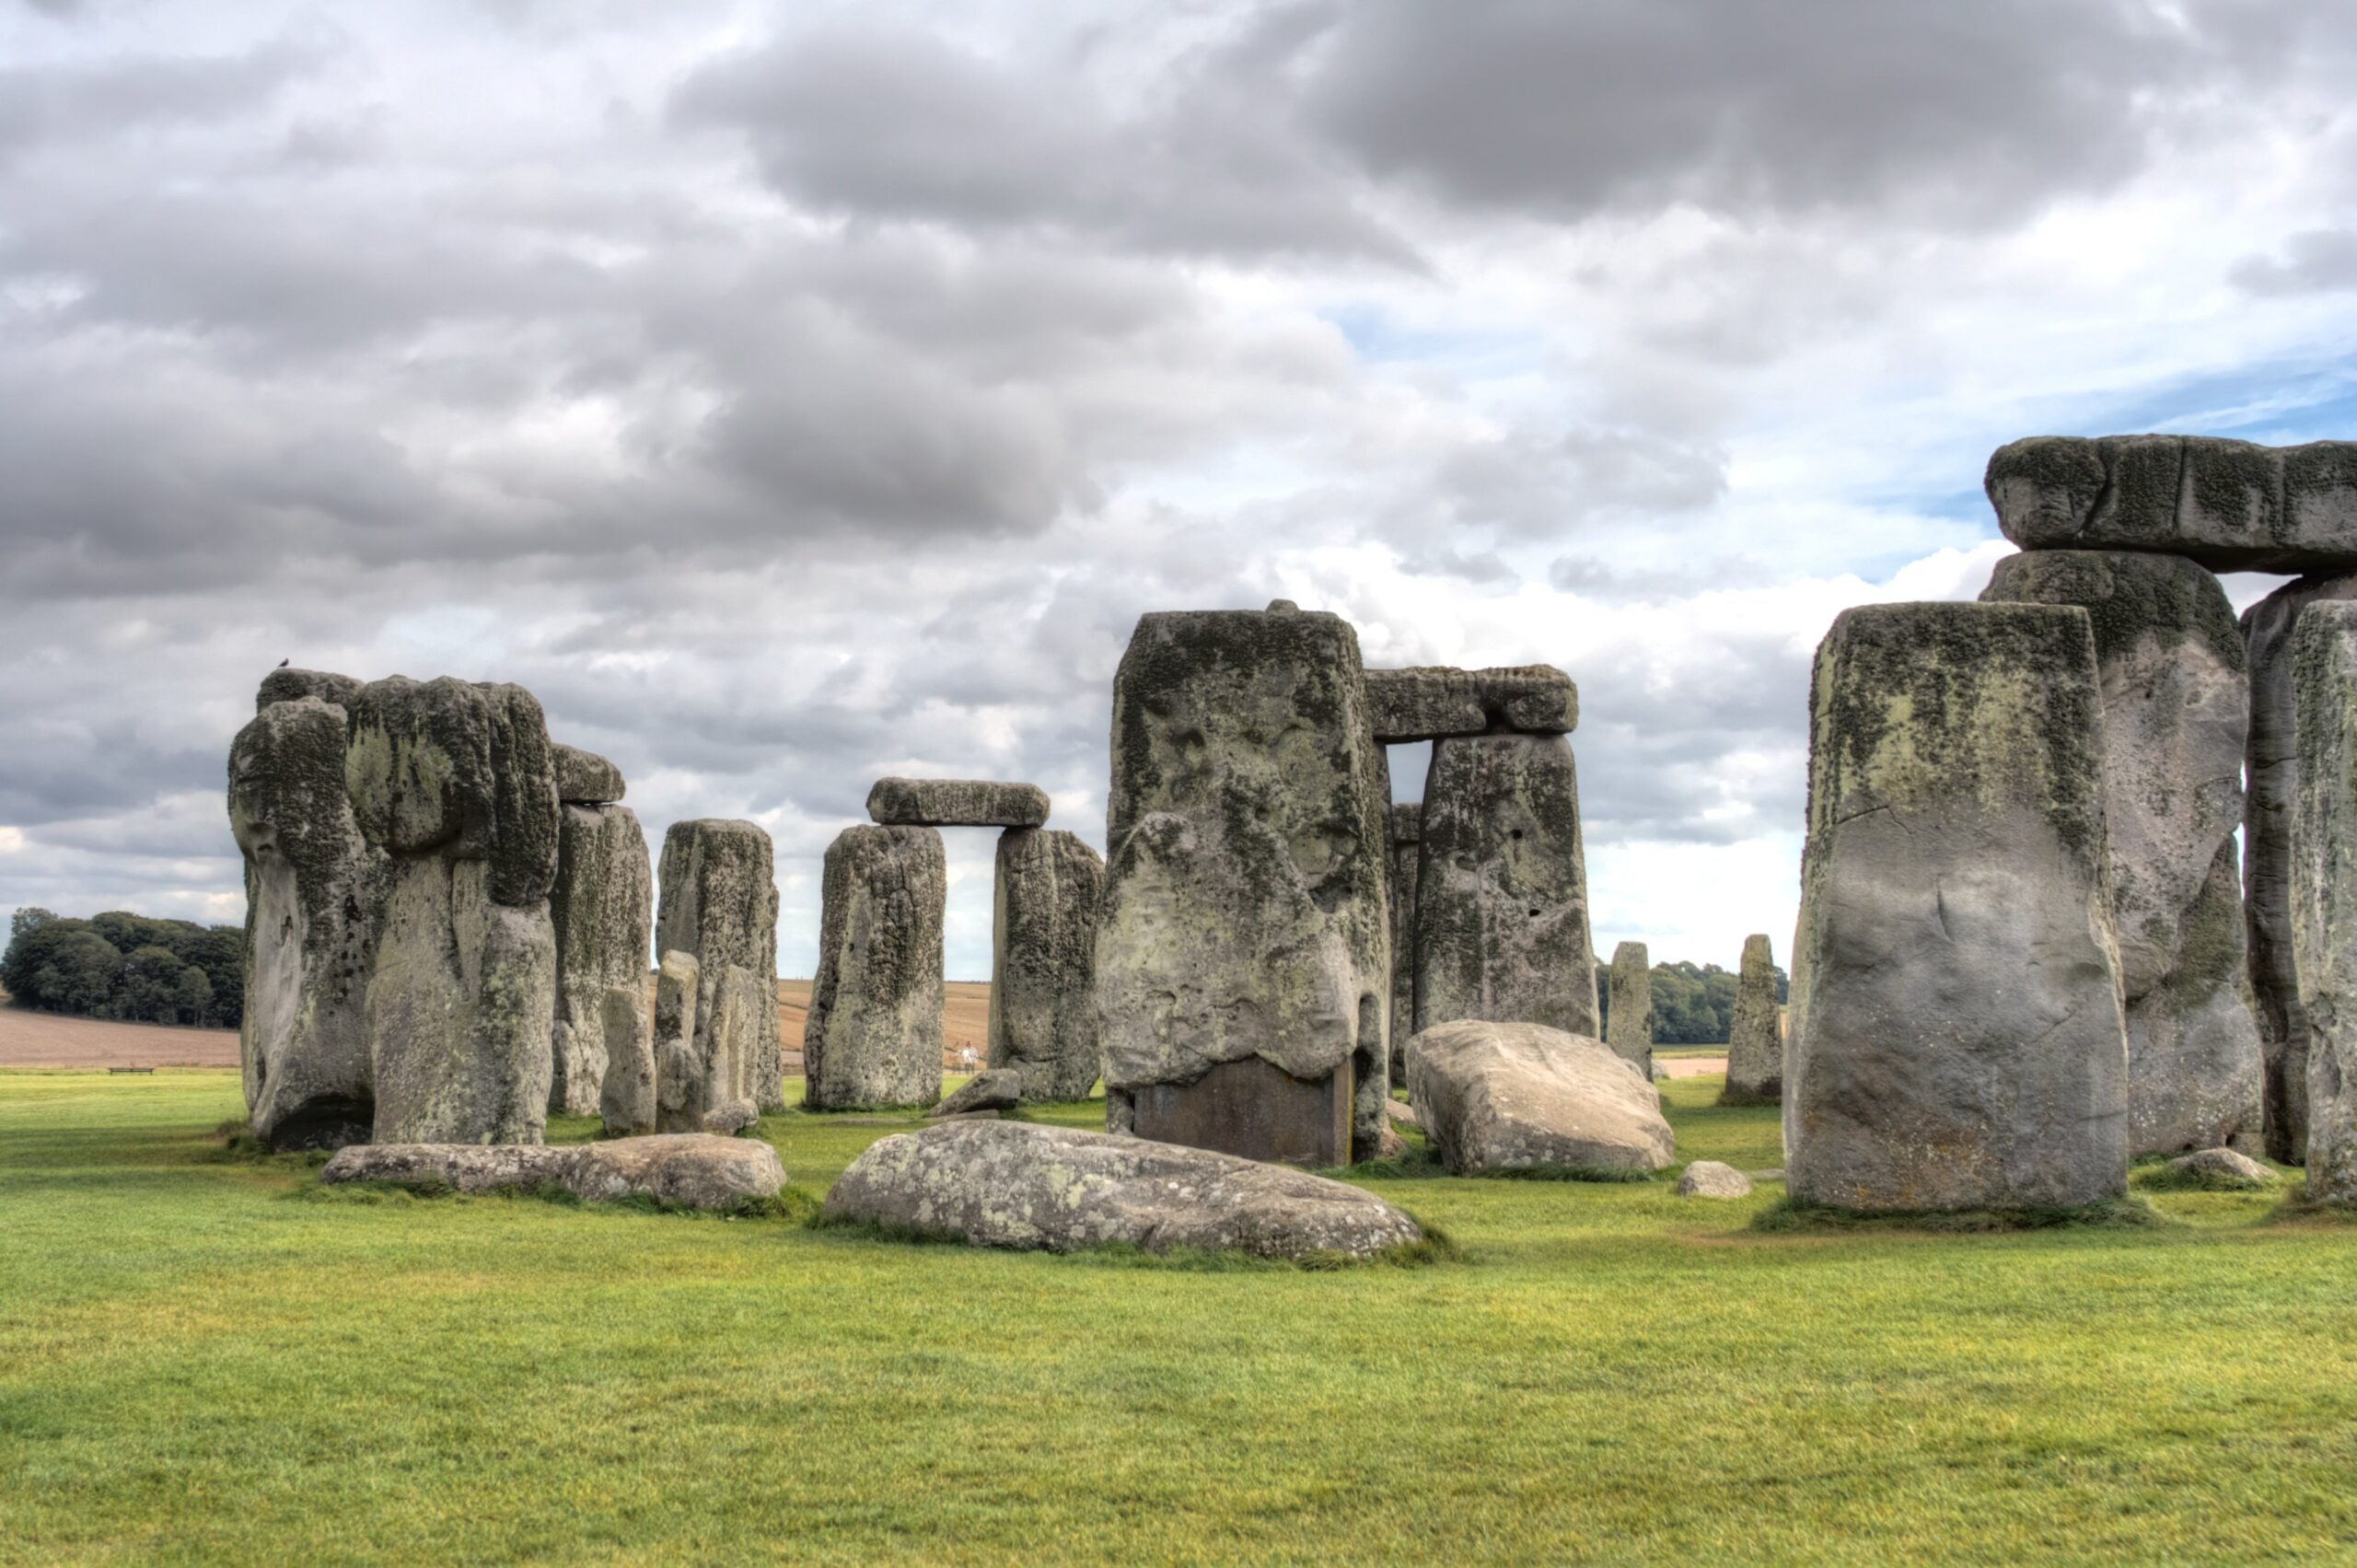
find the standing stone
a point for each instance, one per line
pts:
(1502, 920)
(1630, 1029)
(684, 1079)
(314, 906)
(603, 910)
(956, 803)
(2273, 760)
(2324, 889)
(1755, 1039)
(456, 783)
(872, 1037)
(1043, 947)
(1957, 1038)
(2175, 707)
(1407, 849)
(1243, 948)
(719, 905)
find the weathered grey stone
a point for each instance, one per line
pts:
(1406, 853)
(1629, 1027)
(584, 778)
(1057, 1189)
(2230, 506)
(628, 1098)
(719, 905)
(1043, 952)
(316, 893)
(1244, 911)
(2221, 1167)
(2324, 889)
(998, 1089)
(690, 1170)
(294, 685)
(602, 909)
(2176, 706)
(1433, 701)
(956, 803)
(1709, 1179)
(729, 1120)
(2272, 759)
(872, 1037)
(1502, 918)
(1755, 1036)
(460, 772)
(1957, 1040)
(1517, 1097)
(684, 1080)
(1401, 1113)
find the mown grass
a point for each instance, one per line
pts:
(203, 1359)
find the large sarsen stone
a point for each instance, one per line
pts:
(956, 803)
(1629, 1022)
(872, 1037)
(602, 910)
(2324, 889)
(1520, 1097)
(718, 893)
(1043, 947)
(1755, 1036)
(1433, 701)
(689, 1170)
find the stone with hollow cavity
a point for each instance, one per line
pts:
(718, 903)
(956, 803)
(688, 1171)
(1043, 951)
(1754, 1034)
(873, 1035)
(1496, 1096)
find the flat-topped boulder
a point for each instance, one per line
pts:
(285, 685)
(956, 803)
(688, 1171)
(1018, 1185)
(584, 778)
(1428, 702)
(2232, 506)
(1519, 1096)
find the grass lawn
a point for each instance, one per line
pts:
(205, 1359)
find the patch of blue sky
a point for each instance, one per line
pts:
(1379, 337)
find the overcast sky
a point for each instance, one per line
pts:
(794, 394)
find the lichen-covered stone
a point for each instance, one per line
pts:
(718, 903)
(1499, 1096)
(2271, 761)
(1043, 952)
(873, 1036)
(736, 1116)
(1709, 1179)
(956, 803)
(2230, 506)
(997, 1089)
(602, 909)
(1957, 1040)
(2176, 706)
(584, 778)
(1429, 702)
(1016, 1185)
(1502, 915)
(1244, 913)
(1407, 853)
(459, 771)
(1629, 1027)
(316, 893)
(293, 685)
(691, 1170)
(2324, 888)
(1755, 1036)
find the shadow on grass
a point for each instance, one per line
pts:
(1422, 1165)
(1789, 1216)
(2298, 1209)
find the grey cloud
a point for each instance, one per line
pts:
(42, 104)
(2321, 260)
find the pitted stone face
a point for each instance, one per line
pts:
(1431, 701)
(584, 778)
(873, 1034)
(464, 770)
(956, 803)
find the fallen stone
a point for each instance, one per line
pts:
(996, 1090)
(1043, 953)
(1957, 1040)
(2324, 889)
(1406, 853)
(956, 803)
(584, 778)
(688, 1171)
(1243, 944)
(602, 910)
(294, 685)
(1400, 1111)
(2230, 506)
(2222, 1167)
(873, 1035)
(729, 1120)
(1628, 1029)
(1516, 1096)
(1755, 1035)
(1501, 913)
(1709, 1179)
(718, 903)
(1056, 1189)
(1431, 701)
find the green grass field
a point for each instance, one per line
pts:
(202, 1358)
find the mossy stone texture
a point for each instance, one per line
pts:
(584, 778)
(1426, 702)
(2324, 889)
(460, 769)
(1043, 953)
(718, 904)
(873, 1036)
(288, 685)
(956, 803)
(602, 909)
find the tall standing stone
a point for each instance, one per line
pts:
(1406, 849)
(1502, 915)
(719, 906)
(1043, 951)
(456, 783)
(2175, 709)
(603, 911)
(1629, 1024)
(687, 1082)
(2273, 765)
(1958, 1037)
(2324, 889)
(314, 906)
(1755, 1038)
(1243, 948)
(872, 1037)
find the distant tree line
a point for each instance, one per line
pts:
(1691, 1007)
(127, 966)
